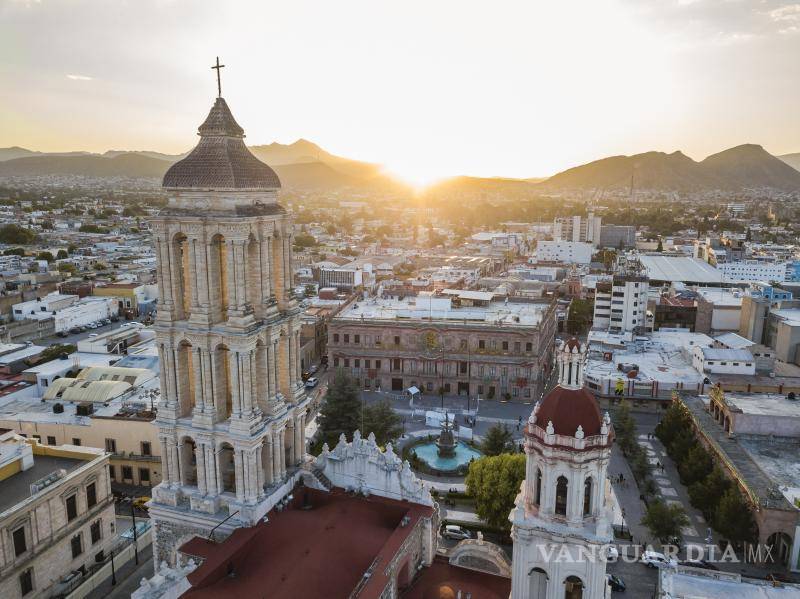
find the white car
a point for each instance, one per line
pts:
(312, 382)
(612, 553)
(313, 368)
(654, 559)
(451, 531)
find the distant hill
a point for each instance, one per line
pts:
(792, 160)
(124, 165)
(747, 166)
(168, 157)
(17, 152)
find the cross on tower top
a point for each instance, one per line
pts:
(217, 67)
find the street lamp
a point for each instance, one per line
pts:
(113, 571)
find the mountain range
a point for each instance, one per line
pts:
(303, 165)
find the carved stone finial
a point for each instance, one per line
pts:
(579, 432)
(550, 430)
(325, 448)
(371, 438)
(356, 436)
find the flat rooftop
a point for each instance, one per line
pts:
(685, 583)
(764, 404)
(789, 315)
(17, 488)
(495, 313)
(680, 268)
(719, 296)
(775, 456)
(319, 552)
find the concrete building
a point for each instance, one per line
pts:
(343, 278)
(67, 311)
(782, 333)
(710, 360)
(724, 307)
(617, 236)
(584, 229)
(753, 270)
(465, 343)
(232, 416)
(133, 299)
(564, 252)
(621, 305)
(56, 513)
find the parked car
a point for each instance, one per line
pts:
(654, 559)
(106, 321)
(62, 333)
(612, 553)
(139, 503)
(313, 368)
(616, 583)
(93, 335)
(699, 563)
(312, 382)
(452, 531)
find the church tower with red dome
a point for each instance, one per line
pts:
(561, 524)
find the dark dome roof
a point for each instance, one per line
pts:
(221, 159)
(569, 408)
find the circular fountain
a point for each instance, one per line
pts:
(446, 454)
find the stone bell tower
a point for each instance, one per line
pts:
(561, 523)
(232, 413)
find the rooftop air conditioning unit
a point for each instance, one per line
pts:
(58, 408)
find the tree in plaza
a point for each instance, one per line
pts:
(383, 421)
(625, 428)
(665, 520)
(341, 409)
(733, 517)
(498, 440)
(494, 482)
(681, 445)
(706, 493)
(660, 247)
(674, 421)
(696, 466)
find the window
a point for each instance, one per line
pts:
(538, 489)
(72, 507)
(366, 363)
(561, 495)
(357, 363)
(463, 344)
(347, 362)
(26, 581)
(144, 475)
(397, 339)
(95, 530)
(91, 495)
(146, 450)
(51, 440)
(127, 473)
(356, 339)
(112, 472)
(38, 438)
(505, 345)
(77, 546)
(111, 445)
(336, 337)
(517, 346)
(377, 364)
(481, 344)
(346, 338)
(529, 347)
(587, 497)
(20, 543)
(76, 441)
(336, 361)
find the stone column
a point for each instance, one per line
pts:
(265, 269)
(298, 372)
(269, 466)
(236, 397)
(175, 471)
(231, 271)
(274, 353)
(246, 379)
(207, 391)
(259, 473)
(200, 456)
(165, 278)
(238, 468)
(303, 435)
(211, 470)
(197, 378)
(193, 273)
(277, 452)
(282, 445)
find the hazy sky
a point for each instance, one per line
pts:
(428, 88)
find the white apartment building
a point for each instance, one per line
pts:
(566, 252)
(753, 271)
(67, 310)
(56, 514)
(584, 229)
(713, 360)
(621, 304)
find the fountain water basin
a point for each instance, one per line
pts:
(459, 456)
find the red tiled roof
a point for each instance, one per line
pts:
(443, 581)
(319, 552)
(568, 409)
(573, 342)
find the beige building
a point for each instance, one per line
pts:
(103, 407)
(56, 514)
(466, 343)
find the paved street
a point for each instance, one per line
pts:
(128, 578)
